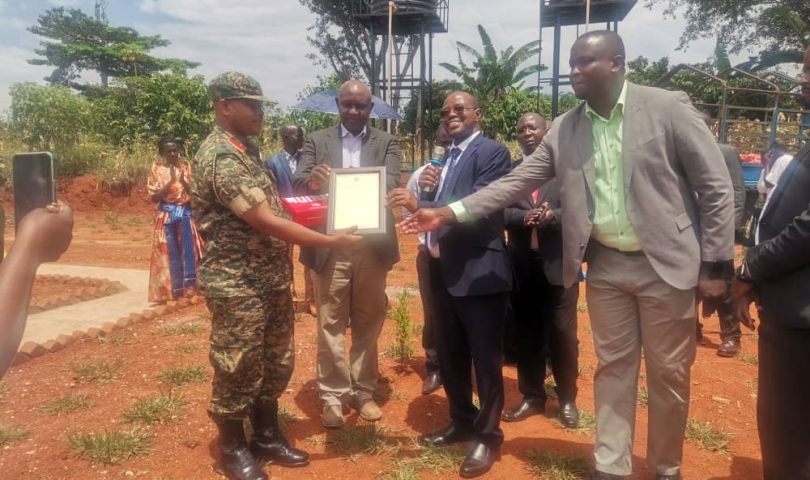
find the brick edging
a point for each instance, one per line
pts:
(91, 288)
(31, 349)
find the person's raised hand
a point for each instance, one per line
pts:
(173, 173)
(46, 232)
(346, 238)
(430, 177)
(427, 219)
(712, 288)
(319, 176)
(402, 197)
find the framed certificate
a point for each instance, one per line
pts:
(357, 197)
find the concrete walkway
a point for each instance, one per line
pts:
(50, 324)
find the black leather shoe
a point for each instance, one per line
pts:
(676, 476)
(432, 382)
(524, 410)
(569, 415)
(597, 475)
(268, 443)
(446, 436)
(729, 348)
(479, 461)
(237, 461)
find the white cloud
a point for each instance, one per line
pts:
(148, 6)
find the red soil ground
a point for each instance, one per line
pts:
(723, 390)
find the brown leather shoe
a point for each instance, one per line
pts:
(524, 410)
(729, 348)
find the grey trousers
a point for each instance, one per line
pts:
(351, 285)
(632, 308)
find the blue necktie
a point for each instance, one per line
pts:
(450, 165)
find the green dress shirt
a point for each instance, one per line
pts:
(611, 225)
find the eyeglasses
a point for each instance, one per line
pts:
(458, 110)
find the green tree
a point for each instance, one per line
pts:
(490, 75)
(770, 25)
(79, 43)
(137, 110)
(343, 43)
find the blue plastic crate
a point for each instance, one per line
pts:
(751, 173)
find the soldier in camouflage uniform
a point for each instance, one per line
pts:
(244, 275)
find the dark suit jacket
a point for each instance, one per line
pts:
(473, 255)
(549, 237)
(379, 149)
(280, 167)
(780, 263)
(734, 165)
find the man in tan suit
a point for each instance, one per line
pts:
(349, 282)
(648, 204)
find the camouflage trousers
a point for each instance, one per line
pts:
(251, 352)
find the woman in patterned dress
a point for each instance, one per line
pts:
(176, 245)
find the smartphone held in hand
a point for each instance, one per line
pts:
(34, 177)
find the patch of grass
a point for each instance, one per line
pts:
(476, 401)
(133, 221)
(705, 436)
(160, 409)
(110, 217)
(643, 396)
(582, 307)
(753, 385)
(403, 349)
(179, 376)
(11, 433)
(66, 404)
(549, 387)
(187, 348)
(287, 414)
(103, 371)
(439, 458)
(361, 439)
(748, 359)
(402, 471)
(587, 329)
(587, 423)
(183, 329)
(115, 340)
(550, 465)
(111, 447)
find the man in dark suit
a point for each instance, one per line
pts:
(350, 282)
(724, 307)
(543, 307)
(471, 279)
(776, 275)
(283, 165)
(648, 203)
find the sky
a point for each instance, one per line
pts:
(268, 38)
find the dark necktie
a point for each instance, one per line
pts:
(450, 165)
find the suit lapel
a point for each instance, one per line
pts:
(583, 139)
(334, 148)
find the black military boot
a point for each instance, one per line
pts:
(237, 461)
(268, 443)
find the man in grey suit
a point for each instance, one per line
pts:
(349, 282)
(648, 204)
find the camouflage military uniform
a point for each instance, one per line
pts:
(244, 276)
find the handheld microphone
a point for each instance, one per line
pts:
(436, 161)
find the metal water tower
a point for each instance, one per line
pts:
(419, 20)
(562, 13)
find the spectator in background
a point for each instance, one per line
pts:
(176, 245)
(42, 236)
(283, 165)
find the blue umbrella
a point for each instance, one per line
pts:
(325, 102)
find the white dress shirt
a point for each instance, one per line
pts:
(351, 147)
(774, 174)
(291, 160)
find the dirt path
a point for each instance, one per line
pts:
(723, 395)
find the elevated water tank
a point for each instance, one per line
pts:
(380, 7)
